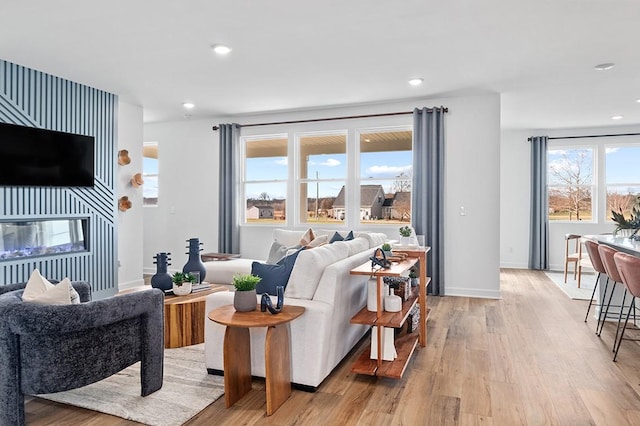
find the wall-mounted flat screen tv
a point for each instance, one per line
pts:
(37, 157)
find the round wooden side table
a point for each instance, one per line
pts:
(237, 352)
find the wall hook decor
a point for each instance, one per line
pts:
(137, 181)
(124, 203)
(123, 157)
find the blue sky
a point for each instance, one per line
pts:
(622, 165)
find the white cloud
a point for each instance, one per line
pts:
(282, 161)
(556, 151)
(378, 171)
(611, 150)
(331, 162)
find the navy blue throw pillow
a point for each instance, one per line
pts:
(274, 275)
(338, 237)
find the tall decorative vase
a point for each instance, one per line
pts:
(195, 263)
(162, 278)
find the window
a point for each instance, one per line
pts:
(622, 178)
(345, 177)
(265, 179)
(322, 177)
(571, 183)
(150, 173)
(386, 171)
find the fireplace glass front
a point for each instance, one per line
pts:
(29, 238)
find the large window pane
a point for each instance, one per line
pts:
(571, 184)
(322, 174)
(386, 171)
(265, 177)
(623, 178)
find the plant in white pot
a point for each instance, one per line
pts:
(405, 235)
(244, 299)
(182, 283)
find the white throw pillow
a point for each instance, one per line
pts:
(318, 241)
(40, 290)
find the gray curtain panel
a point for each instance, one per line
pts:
(228, 229)
(539, 226)
(427, 196)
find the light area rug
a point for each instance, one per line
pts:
(186, 390)
(571, 287)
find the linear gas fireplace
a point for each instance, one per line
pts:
(21, 239)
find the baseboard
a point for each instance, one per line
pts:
(131, 284)
(473, 292)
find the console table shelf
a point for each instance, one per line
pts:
(406, 344)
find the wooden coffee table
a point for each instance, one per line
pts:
(184, 318)
(237, 352)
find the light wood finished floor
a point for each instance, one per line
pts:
(527, 359)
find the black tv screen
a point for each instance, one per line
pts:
(37, 157)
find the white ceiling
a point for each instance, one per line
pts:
(292, 54)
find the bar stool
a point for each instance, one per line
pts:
(629, 268)
(606, 255)
(596, 264)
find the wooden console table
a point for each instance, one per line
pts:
(237, 352)
(405, 345)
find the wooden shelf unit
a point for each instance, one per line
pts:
(405, 345)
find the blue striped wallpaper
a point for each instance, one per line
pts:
(33, 98)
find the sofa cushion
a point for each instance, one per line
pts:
(278, 251)
(274, 275)
(309, 267)
(318, 241)
(357, 245)
(40, 290)
(375, 238)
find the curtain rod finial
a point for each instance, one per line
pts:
(214, 128)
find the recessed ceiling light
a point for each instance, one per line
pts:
(638, 101)
(604, 67)
(416, 81)
(221, 49)
(188, 105)
(617, 117)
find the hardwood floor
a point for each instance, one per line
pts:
(526, 359)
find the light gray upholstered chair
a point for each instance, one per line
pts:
(53, 348)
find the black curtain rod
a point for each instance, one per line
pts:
(386, 114)
(591, 136)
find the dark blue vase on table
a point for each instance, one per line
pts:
(195, 262)
(162, 278)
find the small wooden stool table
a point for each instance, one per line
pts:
(184, 318)
(237, 352)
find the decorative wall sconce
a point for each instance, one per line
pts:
(124, 203)
(137, 181)
(123, 157)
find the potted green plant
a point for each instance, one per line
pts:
(386, 248)
(413, 275)
(182, 283)
(627, 227)
(405, 235)
(244, 299)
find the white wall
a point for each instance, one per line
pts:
(187, 205)
(515, 182)
(130, 222)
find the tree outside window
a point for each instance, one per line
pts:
(571, 184)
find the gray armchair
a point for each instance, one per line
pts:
(53, 348)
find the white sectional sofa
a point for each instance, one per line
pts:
(320, 282)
